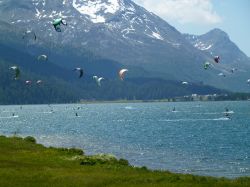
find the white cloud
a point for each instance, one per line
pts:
(183, 11)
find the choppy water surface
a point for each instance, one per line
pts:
(196, 138)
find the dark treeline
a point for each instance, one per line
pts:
(58, 90)
(234, 97)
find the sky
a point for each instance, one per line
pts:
(200, 16)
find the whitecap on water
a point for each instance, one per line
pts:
(9, 117)
(44, 112)
(221, 119)
(176, 120)
(206, 113)
(129, 108)
(244, 170)
(229, 112)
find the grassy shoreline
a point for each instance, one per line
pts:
(25, 163)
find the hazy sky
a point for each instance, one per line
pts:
(200, 16)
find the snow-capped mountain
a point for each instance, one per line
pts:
(119, 30)
(116, 15)
(217, 42)
(116, 29)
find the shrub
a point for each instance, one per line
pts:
(174, 178)
(74, 151)
(144, 168)
(88, 161)
(123, 162)
(30, 139)
(100, 159)
(202, 179)
(243, 180)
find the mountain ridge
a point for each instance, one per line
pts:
(127, 34)
(62, 85)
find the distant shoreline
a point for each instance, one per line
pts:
(149, 101)
(123, 101)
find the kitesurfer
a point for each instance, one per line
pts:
(227, 113)
(217, 59)
(57, 22)
(98, 80)
(17, 72)
(206, 65)
(42, 58)
(80, 70)
(122, 73)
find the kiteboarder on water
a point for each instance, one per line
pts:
(227, 113)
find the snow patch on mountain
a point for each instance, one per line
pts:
(127, 31)
(198, 43)
(64, 2)
(96, 9)
(202, 46)
(157, 36)
(37, 2)
(131, 8)
(38, 14)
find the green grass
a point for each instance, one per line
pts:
(25, 163)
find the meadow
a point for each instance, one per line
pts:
(23, 162)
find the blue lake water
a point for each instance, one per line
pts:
(195, 139)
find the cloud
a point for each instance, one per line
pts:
(183, 11)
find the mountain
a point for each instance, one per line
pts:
(217, 42)
(119, 31)
(62, 85)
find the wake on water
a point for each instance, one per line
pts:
(44, 112)
(175, 111)
(229, 112)
(215, 119)
(129, 108)
(9, 117)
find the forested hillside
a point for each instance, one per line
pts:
(55, 89)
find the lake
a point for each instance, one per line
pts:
(196, 138)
